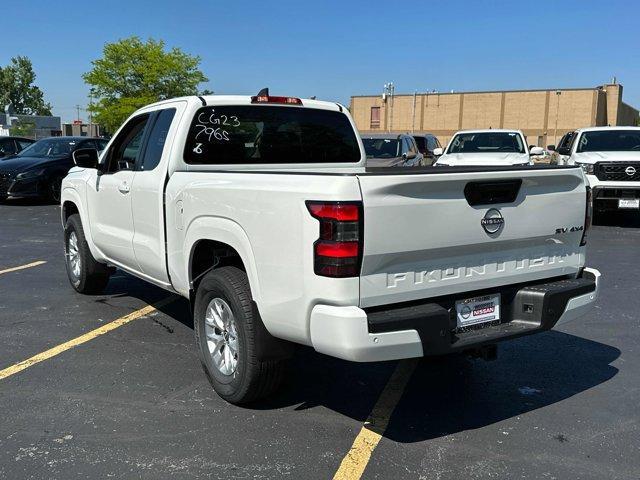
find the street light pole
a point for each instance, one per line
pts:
(555, 131)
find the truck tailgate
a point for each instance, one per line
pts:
(424, 236)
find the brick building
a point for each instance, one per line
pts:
(543, 115)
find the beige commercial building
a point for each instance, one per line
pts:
(543, 115)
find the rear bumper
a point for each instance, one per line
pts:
(422, 329)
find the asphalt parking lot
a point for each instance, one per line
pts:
(134, 403)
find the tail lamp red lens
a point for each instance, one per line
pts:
(271, 99)
(338, 250)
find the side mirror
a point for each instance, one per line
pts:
(86, 158)
(551, 147)
(536, 151)
(410, 155)
(437, 152)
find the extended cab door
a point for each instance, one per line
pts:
(109, 195)
(147, 193)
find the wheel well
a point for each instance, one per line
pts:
(68, 209)
(209, 254)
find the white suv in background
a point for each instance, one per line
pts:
(487, 147)
(610, 156)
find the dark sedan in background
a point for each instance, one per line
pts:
(12, 145)
(391, 150)
(38, 170)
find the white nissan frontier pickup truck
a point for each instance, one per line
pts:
(261, 211)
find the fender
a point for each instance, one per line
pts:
(223, 230)
(70, 194)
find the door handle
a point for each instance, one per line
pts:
(124, 188)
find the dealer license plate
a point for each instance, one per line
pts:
(473, 311)
(629, 203)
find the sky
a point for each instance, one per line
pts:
(336, 49)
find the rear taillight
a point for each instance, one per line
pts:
(588, 212)
(338, 250)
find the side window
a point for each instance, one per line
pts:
(564, 148)
(157, 137)
(7, 147)
(406, 147)
(22, 144)
(412, 146)
(86, 144)
(124, 151)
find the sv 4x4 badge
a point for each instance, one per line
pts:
(569, 229)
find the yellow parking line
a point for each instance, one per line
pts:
(63, 347)
(22, 267)
(356, 461)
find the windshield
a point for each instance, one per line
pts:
(487, 142)
(381, 147)
(266, 134)
(49, 147)
(609, 141)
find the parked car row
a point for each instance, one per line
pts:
(37, 168)
(609, 156)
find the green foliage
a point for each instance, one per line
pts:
(16, 85)
(23, 129)
(132, 73)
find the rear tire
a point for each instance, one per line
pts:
(86, 275)
(225, 325)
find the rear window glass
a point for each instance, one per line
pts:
(250, 134)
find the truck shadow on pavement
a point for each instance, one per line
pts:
(445, 395)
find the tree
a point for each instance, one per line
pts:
(23, 129)
(132, 73)
(16, 86)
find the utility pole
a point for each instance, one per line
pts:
(555, 131)
(90, 133)
(78, 110)
(413, 122)
(389, 90)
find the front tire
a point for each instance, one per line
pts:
(225, 325)
(86, 275)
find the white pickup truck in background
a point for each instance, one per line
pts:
(260, 210)
(610, 157)
(492, 147)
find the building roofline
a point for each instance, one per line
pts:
(598, 87)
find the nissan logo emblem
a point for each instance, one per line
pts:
(631, 171)
(492, 221)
